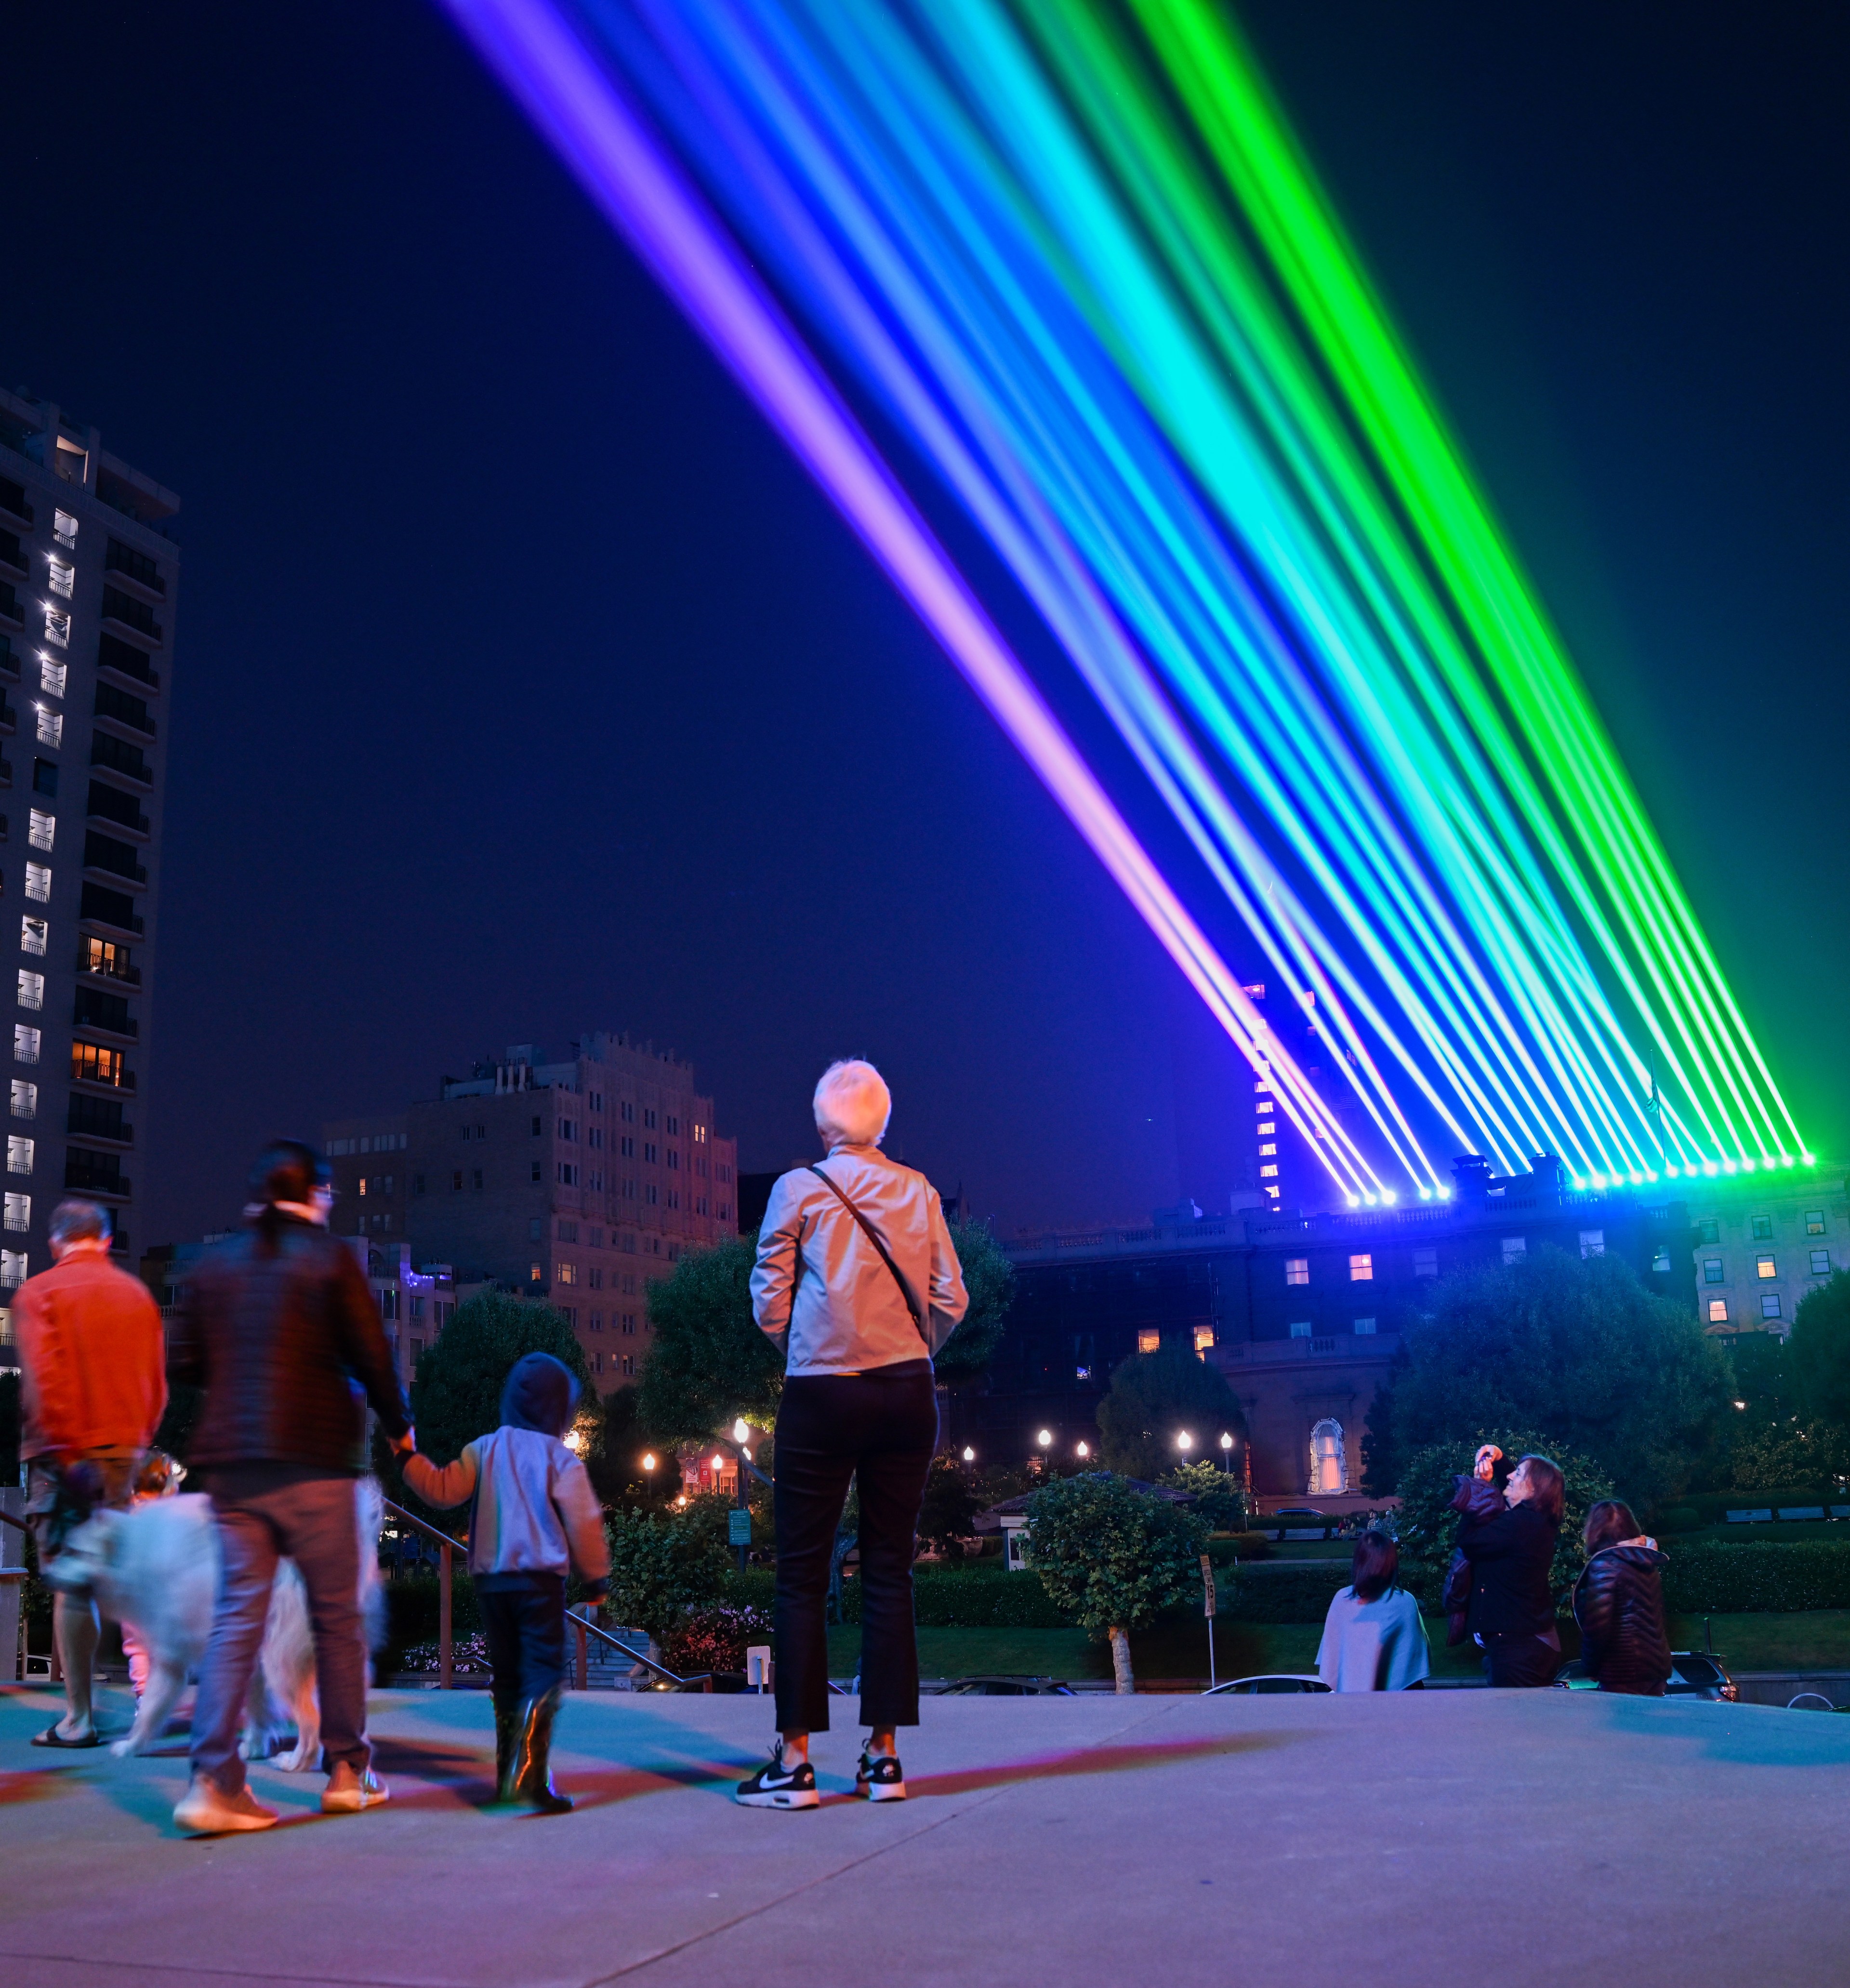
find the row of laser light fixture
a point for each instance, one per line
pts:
(1073, 257)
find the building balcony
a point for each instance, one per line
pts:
(120, 659)
(102, 867)
(104, 1015)
(86, 1172)
(6, 772)
(121, 971)
(135, 570)
(14, 557)
(126, 761)
(103, 1086)
(133, 926)
(9, 660)
(115, 707)
(114, 824)
(122, 1140)
(11, 611)
(127, 616)
(13, 510)
(9, 718)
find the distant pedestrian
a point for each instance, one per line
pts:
(534, 1519)
(1373, 1639)
(280, 1329)
(94, 1391)
(856, 1265)
(1509, 1543)
(1618, 1603)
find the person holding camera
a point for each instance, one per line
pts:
(1509, 1544)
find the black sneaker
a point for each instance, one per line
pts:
(883, 1779)
(776, 1786)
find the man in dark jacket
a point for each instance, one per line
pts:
(1618, 1603)
(280, 1330)
(1509, 1543)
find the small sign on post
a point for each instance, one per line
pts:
(739, 1528)
(1207, 1609)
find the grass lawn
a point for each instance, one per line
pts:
(1819, 1641)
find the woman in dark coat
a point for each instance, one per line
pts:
(1618, 1603)
(1509, 1542)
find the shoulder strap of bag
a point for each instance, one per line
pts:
(873, 1236)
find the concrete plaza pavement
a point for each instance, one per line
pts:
(1521, 1837)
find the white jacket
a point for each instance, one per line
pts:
(819, 1278)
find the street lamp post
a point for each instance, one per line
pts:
(1083, 1450)
(648, 1475)
(1044, 1437)
(1226, 1451)
(742, 1434)
(1184, 1442)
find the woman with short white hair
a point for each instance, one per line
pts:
(856, 1265)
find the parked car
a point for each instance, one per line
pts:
(1007, 1687)
(1693, 1673)
(1266, 1685)
(1301, 1512)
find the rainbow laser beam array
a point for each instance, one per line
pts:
(1069, 252)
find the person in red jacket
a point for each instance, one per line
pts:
(95, 1388)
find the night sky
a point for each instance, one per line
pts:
(524, 685)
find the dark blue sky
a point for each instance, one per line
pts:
(523, 686)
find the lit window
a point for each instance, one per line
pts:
(1425, 1263)
(1768, 1304)
(1266, 1127)
(1298, 1269)
(1268, 1150)
(19, 1156)
(1148, 1342)
(1718, 1311)
(1301, 1330)
(61, 577)
(1712, 1271)
(25, 1043)
(64, 528)
(18, 1211)
(535, 1274)
(32, 936)
(12, 1268)
(38, 883)
(1815, 1222)
(1709, 1230)
(1268, 1173)
(50, 725)
(700, 1135)
(1763, 1228)
(1592, 1243)
(25, 1099)
(1204, 1337)
(41, 828)
(52, 677)
(1365, 1326)
(567, 1274)
(1820, 1262)
(58, 627)
(1362, 1270)
(1272, 1191)
(1765, 1266)
(31, 988)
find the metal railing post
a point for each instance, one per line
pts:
(446, 1646)
(584, 1658)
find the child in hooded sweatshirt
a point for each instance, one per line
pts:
(535, 1518)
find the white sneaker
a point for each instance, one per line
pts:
(205, 1809)
(347, 1793)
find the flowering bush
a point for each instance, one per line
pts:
(469, 1655)
(714, 1638)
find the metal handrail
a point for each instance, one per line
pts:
(585, 1626)
(446, 1556)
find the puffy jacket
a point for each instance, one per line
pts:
(1509, 1550)
(279, 1328)
(1618, 1603)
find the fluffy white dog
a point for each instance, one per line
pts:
(156, 1568)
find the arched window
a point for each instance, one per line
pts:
(1329, 1466)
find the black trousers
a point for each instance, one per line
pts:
(523, 1624)
(1520, 1662)
(879, 1428)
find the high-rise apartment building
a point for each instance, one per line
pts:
(575, 1181)
(89, 576)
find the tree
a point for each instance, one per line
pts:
(663, 1564)
(1112, 1557)
(989, 1278)
(947, 1515)
(1821, 1351)
(617, 1475)
(1219, 1504)
(1578, 1350)
(1425, 1525)
(456, 1392)
(708, 1362)
(1153, 1397)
